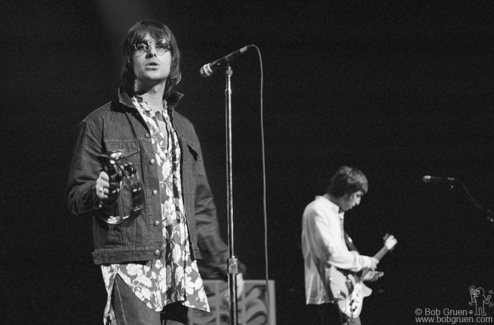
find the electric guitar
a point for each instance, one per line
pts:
(347, 288)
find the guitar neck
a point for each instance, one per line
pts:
(381, 253)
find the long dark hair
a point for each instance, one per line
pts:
(137, 33)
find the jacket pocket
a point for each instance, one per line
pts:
(129, 149)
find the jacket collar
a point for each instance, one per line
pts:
(173, 99)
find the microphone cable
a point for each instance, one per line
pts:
(264, 183)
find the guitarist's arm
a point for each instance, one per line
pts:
(328, 246)
(374, 262)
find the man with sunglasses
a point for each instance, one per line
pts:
(138, 170)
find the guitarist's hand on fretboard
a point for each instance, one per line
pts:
(390, 242)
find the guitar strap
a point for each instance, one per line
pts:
(349, 243)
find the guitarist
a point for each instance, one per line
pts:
(323, 242)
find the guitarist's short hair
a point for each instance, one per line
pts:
(347, 180)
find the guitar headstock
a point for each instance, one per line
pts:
(390, 241)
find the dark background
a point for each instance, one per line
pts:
(399, 89)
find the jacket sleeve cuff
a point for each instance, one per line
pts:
(366, 262)
(96, 201)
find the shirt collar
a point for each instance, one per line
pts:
(143, 107)
(335, 207)
(170, 102)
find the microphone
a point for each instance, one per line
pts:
(435, 179)
(209, 68)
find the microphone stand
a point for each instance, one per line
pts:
(487, 212)
(232, 260)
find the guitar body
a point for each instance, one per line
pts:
(348, 290)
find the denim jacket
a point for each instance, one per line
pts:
(119, 126)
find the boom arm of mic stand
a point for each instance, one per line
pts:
(487, 212)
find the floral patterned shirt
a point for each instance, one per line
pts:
(174, 277)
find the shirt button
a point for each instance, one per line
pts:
(156, 223)
(157, 252)
(155, 192)
(147, 135)
(151, 161)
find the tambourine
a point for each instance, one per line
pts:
(121, 172)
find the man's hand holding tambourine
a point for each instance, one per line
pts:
(111, 179)
(105, 189)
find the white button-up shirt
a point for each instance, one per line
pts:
(323, 245)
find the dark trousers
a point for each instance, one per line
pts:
(329, 314)
(130, 310)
